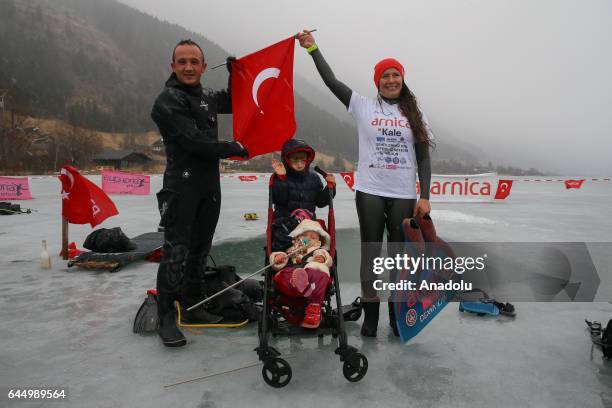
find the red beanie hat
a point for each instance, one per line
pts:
(384, 65)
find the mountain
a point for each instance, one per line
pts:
(100, 64)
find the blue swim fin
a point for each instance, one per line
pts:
(480, 308)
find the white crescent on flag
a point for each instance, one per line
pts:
(64, 172)
(259, 79)
(349, 179)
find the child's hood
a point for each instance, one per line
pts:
(294, 146)
(310, 225)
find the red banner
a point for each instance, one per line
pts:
(573, 183)
(262, 98)
(14, 188)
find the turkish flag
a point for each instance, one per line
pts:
(349, 179)
(503, 189)
(262, 98)
(573, 183)
(82, 201)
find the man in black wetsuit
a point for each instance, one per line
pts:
(190, 200)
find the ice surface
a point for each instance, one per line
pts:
(72, 328)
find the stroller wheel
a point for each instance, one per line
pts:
(276, 372)
(355, 367)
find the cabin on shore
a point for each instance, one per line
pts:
(121, 159)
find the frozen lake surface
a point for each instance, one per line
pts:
(71, 328)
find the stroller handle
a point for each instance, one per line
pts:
(320, 171)
(330, 185)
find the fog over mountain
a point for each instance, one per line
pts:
(525, 83)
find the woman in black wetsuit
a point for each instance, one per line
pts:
(394, 142)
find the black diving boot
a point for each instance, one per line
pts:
(167, 330)
(392, 320)
(199, 315)
(371, 312)
(193, 291)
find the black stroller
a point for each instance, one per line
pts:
(276, 371)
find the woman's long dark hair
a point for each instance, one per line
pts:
(410, 109)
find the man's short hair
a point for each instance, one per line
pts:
(188, 41)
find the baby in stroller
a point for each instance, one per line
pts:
(303, 271)
(299, 244)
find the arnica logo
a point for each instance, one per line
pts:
(411, 317)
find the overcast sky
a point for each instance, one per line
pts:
(528, 81)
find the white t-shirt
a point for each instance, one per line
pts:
(387, 159)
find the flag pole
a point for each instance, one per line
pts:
(220, 65)
(64, 239)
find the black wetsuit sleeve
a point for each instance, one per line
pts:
(423, 167)
(224, 101)
(338, 88)
(224, 98)
(171, 114)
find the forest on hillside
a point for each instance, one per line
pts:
(100, 64)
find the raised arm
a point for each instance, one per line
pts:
(338, 88)
(224, 98)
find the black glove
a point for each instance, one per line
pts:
(228, 63)
(238, 150)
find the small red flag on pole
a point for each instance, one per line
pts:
(83, 202)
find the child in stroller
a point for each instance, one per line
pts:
(303, 272)
(289, 289)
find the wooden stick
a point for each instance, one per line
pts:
(64, 239)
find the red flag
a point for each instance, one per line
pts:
(262, 98)
(82, 201)
(573, 183)
(349, 179)
(503, 189)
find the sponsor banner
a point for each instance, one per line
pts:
(15, 188)
(467, 188)
(118, 182)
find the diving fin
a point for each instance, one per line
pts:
(413, 235)
(428, 230)
(504, 308)
(484, 305)
(146, 318)
(479, 308)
